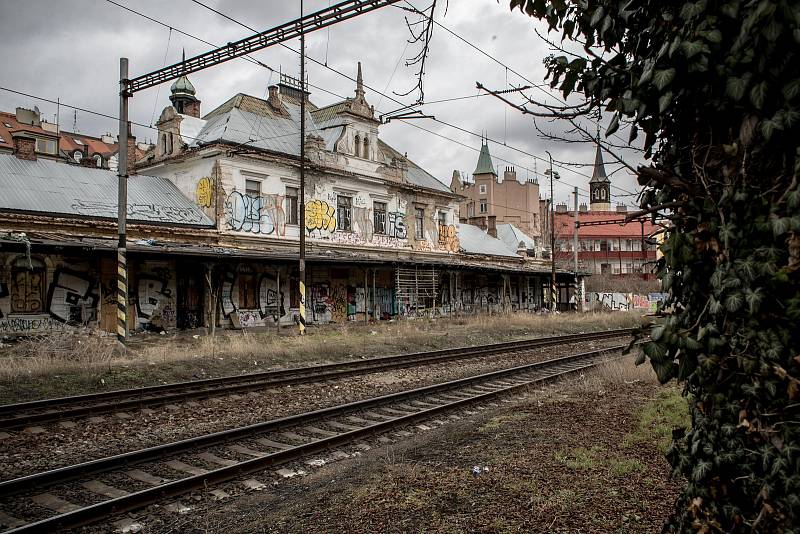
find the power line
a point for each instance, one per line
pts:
(228, 17)
(346, 76)
(510, 69)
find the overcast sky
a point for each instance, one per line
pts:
(70, 50)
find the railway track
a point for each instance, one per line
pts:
(56, 409)
(93, 491)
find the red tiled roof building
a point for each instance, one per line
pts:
(606, 245)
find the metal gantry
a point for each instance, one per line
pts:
(342, 11)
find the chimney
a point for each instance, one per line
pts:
(583, 208)
(107, 139)
(622, 208)
(561, 208)
(274, 99)
(521, 249)
(192, 108)
(29, 117)
(492, 225)
(510, 174)
(24, 146)
(132, 151)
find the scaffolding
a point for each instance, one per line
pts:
(416, 289)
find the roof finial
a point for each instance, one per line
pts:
(359, 82)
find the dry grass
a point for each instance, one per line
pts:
(93, 361)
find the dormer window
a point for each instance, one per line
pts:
(98, 159)
(77, 155)
(45, 146)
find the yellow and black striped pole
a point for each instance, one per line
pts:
(122, 205)
(302, 282)
(122, 300)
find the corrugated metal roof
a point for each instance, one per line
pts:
(511, 236)
(54, 188)
(473, 240)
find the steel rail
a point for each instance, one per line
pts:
(49, 410)
(99, 511)
(64, 474)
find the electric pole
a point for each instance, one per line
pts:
(553, 175)
(302, 275)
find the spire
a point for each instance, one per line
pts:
(359, 105)
(485, 165)
(359, 83)
(599, 172)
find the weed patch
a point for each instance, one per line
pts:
(667, 411)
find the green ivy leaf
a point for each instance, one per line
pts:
(734, 301)
(691, 48)
(598, 15)
(664, 101)
(735, 87)
(613, 125)
(662, 78)
(758, 94)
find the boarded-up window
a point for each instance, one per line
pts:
(248, 291)
(379, 212)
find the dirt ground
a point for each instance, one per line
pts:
(76, 363)
(585, 455)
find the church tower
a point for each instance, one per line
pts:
(182, 96)
(599, 185)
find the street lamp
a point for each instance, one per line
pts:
(553, 175)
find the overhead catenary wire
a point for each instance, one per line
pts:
(348, 77)
(389, 97)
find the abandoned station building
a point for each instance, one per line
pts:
(213, 232)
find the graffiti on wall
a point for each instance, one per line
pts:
(363, 224)
(31, 324)
(155, 300)
(256, 214)
(320, 217)
(396, 225)
(448, 238)
(270, 300)
(328, 302)
(227, 304)
(71, 299)
(150, 212)
(204, 192)
(624, 301)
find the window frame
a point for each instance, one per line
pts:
(248, 190)
(484, 206)
(248, 300)
(344, 213)
(379, 212)
(292, 205)
(419, 219)
(482, 189)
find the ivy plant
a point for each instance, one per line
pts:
(714, 89)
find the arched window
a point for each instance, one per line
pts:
(164, 143)
(77, 155)
(366, 147)
(98, 159)
(27, 285)
(358, 145)
(169, 144)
